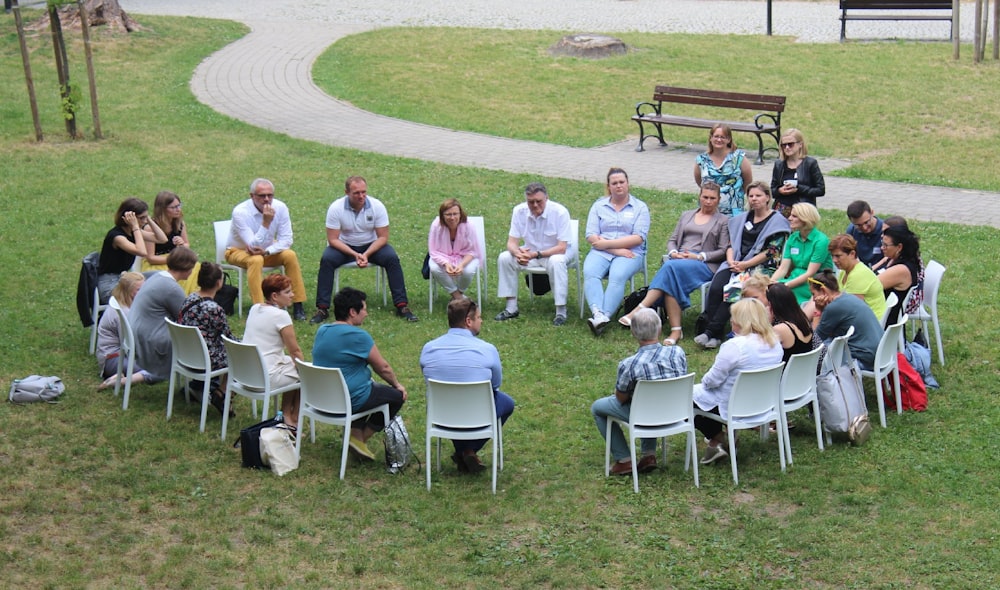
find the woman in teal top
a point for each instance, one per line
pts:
(806, 251)
(344, 345)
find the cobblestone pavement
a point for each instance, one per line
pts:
(264, 79)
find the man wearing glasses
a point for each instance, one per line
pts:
(866, 229)
(538, 238)
(261, 236)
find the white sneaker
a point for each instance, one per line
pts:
(598, 323)
(701, 339)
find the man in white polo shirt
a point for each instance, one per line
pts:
(357, 230)
(539, 237)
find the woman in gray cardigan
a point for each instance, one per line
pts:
(694, 251)
(161, 296)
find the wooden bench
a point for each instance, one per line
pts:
(766, 122)
(891, 6)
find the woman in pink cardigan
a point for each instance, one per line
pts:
(454, 248)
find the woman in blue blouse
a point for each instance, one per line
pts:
(616, 230)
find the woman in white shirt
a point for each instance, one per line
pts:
(755, 347)
(270, 327)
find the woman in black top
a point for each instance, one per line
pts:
(796, 177)
(133, 235)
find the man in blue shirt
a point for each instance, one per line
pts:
(866, 229)
(652, 361)
(460, 356)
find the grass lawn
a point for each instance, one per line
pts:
(906, 110)
(91, 496)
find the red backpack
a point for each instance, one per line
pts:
(911, 386)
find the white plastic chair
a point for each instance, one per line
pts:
(890, 302)
(755, 402)
(572, 263)
(325, 398)
(886, 365)
(798, 389)
(659, 408)
(126, 349)
(464, 411)
(928, 310)
(482, 272)
(191, 360)
(222, 230)
(248, 376)
(381, 279)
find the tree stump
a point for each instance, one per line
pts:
(107, 13)
(588, 45)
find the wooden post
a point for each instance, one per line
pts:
(956, 30)
(91, 77)
(996, 29)
(26, 61)
(62, 69)
(976, 40)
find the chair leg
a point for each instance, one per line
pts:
(427, 454)
(692, 456)
(898, 391)
(204, 402)
(635, 465)
(343, 450)
(819, 425)
(170, 393)
(881, 401)
(732, 454)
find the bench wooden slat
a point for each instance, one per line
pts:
(766, 122)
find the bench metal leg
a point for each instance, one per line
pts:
(643, 137)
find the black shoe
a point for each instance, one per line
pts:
(459, 462)
(505, 315)
(320, 316)
(404, 312)
(298, 313)
(218, 401)
(559, 321)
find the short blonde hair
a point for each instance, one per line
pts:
(807, 213)
(752, 318)
(757, 281)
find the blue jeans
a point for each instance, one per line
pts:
(610, 406)
(385, 257)
(505, 407)
(618, 270)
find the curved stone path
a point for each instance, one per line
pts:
(264, 79)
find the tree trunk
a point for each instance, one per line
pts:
(106, 13)
(62, 69)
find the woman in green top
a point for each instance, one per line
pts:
(806, 251)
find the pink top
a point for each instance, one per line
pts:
(444, 251)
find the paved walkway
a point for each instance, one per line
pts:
(264, 79)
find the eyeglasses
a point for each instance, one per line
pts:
(264, 195)
(789, 144)
(722, 137)
(175, 207)
(888, 245)
(866, 223)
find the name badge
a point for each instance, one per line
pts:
(795, 251)
(748, 226)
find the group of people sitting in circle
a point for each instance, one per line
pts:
(771, 274)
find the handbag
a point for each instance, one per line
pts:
(277, 449)
(842, 405)
(249, 442)
(226, 295)
(633, 299)
(35, 388)
(733, 290)
(912, 390)
(398, 452)
(425, 270)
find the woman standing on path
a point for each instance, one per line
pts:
(727, 166)
(796, 177)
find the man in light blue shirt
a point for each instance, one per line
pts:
(460, 356)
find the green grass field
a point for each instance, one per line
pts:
(96, 497)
